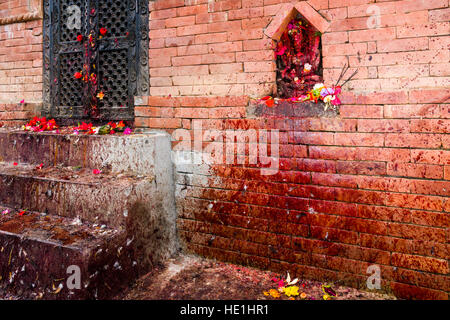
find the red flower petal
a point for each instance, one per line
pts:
(270, 103)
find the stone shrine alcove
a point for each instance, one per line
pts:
(297, 34)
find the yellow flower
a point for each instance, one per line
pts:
(100, 95)
(327, 297)
(266, 293)
(291, 291)
(274, 293)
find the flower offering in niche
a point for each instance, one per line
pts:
(298, 55)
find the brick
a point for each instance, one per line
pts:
(406, 291)
(415, 170)
(441, 157)
(372, 35)
(429, 96)
(159, 5)
(345, 49)
(402, 45)
(260, 55)
(369, 125)
(411, 5)
(420, 263)
(440, 15)
(359, 139)
(428, 141)
(412, 111)
(415, 201)
(361, 10)
(433, 29)
(364, 168)
(430, 126)
(361, 111)
(191, 30)
(225, 47)
(260, 66)
(180, 21)
(403, 71)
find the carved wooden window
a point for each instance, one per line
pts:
(107, 42)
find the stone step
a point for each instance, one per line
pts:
(37, 251)
(104, 198)
(141, 154)
(138, 206)
(114, 225)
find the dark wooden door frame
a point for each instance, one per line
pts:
(119, 60)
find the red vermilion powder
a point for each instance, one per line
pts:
(298, 59)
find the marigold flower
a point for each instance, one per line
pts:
(100, 95)
(274, 293)
(291, 291)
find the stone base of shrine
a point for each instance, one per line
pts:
(81, 217)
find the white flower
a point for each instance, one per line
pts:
(307, 67)
(318, 86)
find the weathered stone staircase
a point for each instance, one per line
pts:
(113, 226)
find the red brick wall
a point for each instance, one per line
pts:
(369, 186)
(21, 61)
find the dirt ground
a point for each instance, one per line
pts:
(194, 278)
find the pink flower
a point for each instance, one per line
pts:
(5, 211)
(127, 131)
(97, 171)
(23, 101)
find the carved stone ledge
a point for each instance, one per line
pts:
(292, 110)
(35, 12)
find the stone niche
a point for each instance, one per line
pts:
(296, 30)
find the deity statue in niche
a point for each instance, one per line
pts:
(299, 62)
